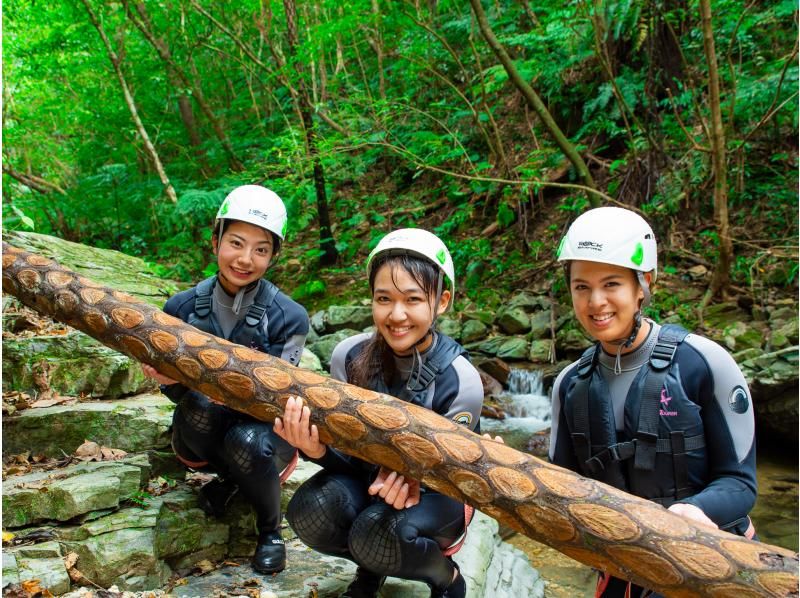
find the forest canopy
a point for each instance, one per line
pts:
(490, 123)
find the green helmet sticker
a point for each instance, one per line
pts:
(285, 226)
(638, 255)
(561, 247)
(441, 256)
(224, 207)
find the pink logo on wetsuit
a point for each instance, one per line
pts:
(665, 405)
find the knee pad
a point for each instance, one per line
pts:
(321, 513)
(376, 539)
(247, 445)
(194, 413)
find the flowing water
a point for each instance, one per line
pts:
(527, 409)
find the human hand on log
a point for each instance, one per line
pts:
(395, 489)
(693, 513)
(151, 372)
(295, 428)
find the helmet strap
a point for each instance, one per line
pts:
(645, 289)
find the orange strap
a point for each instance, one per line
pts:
(289, 469)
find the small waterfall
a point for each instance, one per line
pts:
(526, 405)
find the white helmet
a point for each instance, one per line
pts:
(418, 243)
(256, 205)
(613, 236)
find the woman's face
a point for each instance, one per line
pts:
(605, 299)
(243, 254)
(402, 312)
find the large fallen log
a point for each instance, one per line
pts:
(585, 519)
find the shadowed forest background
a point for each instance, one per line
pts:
(492, 124)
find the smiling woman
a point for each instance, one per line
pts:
(406, 530)
(653, 410)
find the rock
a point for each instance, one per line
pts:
(529, 302)
(473, 330)
(697, 272)
(490, 385)
(323, 348)
(449, 326)
(71, 491)
(539, 444)
(783, 335)
(114, 269)
(485, 316)
(184, 529)
(514, 320)
(318, 322)
(124, 557)
(773, 382)
(720, 315)
(739, 336)
(131, 425)
(341, 317)
(514, 348)
(780, 314)
(492, 345)
(496, 368)
(540, 325)
(572, 342)
(40, 561)
(309, 361)
(540, 351)
(71, 364)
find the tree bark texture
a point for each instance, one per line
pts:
(585, 519)
(721, 277)
(533, 99)
(131, 104)
(326, 241)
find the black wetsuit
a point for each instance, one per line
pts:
(333, 513)
(703, 403)
(210, 436)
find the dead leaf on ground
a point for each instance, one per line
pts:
(203, 567)
(56, 400)
(91, 451)
(33, 588)
(74, 574)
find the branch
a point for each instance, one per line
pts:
(34, 182)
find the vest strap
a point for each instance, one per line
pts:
(625, 450)
(246, 331)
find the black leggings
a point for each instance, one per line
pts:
(239, 448)
(332, 513)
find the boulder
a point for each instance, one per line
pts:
(71, 364)
(496, 368)
(514, 348)
(341, 317)
(76, 489)
(773, 381)
(738, 336)
(42, 562)
(720, 315)
(530, 302)
(572, 342)
(540, 351)
(514, 320)
(131, 425)
(449, 326)
(490, 385)
(783, 334)
(540, 325)
(323, 348)
(309, 361)
(473, 330)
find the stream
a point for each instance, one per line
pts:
(527, 409)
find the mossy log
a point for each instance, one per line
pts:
(589, 521)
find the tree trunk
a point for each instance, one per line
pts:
(585, 519)
(189, 123)
(327, 244)
(142, 22)
(129, 101)
(721, 278)
(535, 102)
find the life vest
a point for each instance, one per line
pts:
(660, 455)
(444, 352)
(250, 331)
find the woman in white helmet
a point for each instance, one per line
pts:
(653, 410)
(386, 524)
(238, 304)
